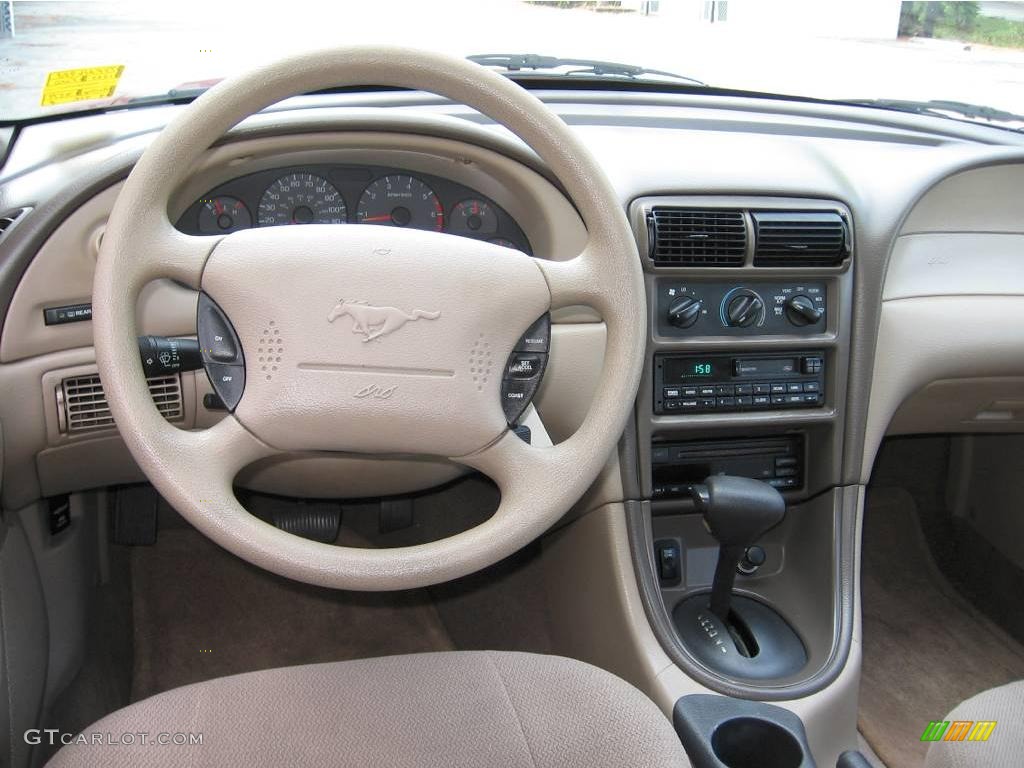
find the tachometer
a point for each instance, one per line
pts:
(401, 201)
(223, 214)
(473, 217)
(301, 198)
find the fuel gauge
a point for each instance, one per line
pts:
(219, 215)
(473, 217)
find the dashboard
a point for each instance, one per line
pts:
(352, 194)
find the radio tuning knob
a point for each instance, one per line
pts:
(800, 310)
(685, 311)
(745, 308)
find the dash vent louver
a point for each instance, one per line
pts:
(800, 238)
(82, 404)
(9, 218)
(696, 237)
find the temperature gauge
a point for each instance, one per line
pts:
(473, 217)
(223, 214)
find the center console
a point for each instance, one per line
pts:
(750, 307)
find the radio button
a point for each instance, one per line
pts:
(760, 400)
(811, 399)
(778, 389)
(706, 402)
(743, 402)
(812, 386)
(762, 389)
(744, 389)
(811, 364)
(727, 402)
(725, 390)
(794, 399)
(671, 392)
(689, 391)
(778, 399)
(706, 391)
(794, 386)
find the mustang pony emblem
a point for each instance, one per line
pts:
(374, 322)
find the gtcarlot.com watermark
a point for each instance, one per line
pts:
(55, 737)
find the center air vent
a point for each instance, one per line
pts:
(9, 218)
(694, 237)
(800, 239)
(82, 405)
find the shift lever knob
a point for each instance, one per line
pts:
(737, 512)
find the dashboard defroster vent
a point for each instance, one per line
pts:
(82, 404)
(800, 238)
(694, 237)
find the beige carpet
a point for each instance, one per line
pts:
(202, 613)
(925, 648)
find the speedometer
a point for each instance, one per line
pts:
(401, 201)
(301, 198)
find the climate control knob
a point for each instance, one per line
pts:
(685, 311)
(744, 308)
(800, 310)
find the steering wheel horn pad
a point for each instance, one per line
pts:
(372, 339)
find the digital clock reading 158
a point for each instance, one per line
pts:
(702, 369)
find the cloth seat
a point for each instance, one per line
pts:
(1005, 745)
(472, 708)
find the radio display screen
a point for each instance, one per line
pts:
(685, 369)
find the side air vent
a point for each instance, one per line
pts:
(693, 237)
(82, 405)
(800, 239)
(9, 218)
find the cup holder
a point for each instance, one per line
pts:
(751, 742)
(723, 732)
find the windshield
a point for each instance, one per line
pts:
(61, 57)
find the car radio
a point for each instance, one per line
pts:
(748, 382)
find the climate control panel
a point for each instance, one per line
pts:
(686, 309)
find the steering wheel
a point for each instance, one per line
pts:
(417, 366)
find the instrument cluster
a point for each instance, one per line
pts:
(347, 194)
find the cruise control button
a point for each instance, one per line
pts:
(228, 381)
(537, 337)
(516, 395)
(522, 366)
(217, 340)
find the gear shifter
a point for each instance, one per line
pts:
(737, 512)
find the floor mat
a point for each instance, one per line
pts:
(925, 648)
(202, 613)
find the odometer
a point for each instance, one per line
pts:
(400, 201)
(301, 198)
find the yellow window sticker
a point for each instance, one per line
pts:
(81, 84)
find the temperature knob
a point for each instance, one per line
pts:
(685, 311)
(800, 310)
(744, 308)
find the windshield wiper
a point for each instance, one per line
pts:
(941, 108)
(516, 62)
